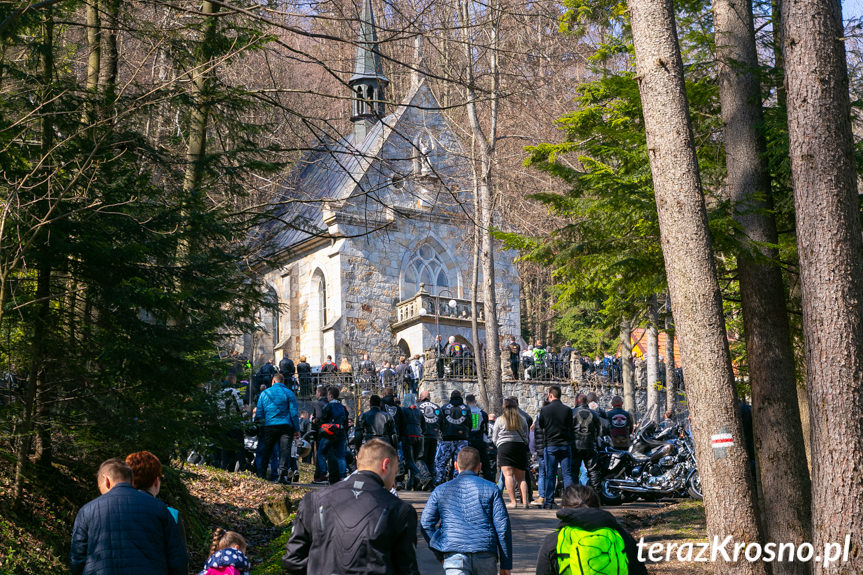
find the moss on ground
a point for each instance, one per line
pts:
(35, 539)
(272, 553)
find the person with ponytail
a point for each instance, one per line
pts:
(227, 555)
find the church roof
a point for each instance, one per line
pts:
(368, 61)
(331, 172)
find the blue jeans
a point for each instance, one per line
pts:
(540, 474)
(470, 563)
(333, 451)
(554, 456)
(320, 460)
(274, 461)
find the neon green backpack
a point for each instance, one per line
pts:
(599, 552)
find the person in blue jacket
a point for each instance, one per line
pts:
(125, 531)
(278, 414)
(465, 522)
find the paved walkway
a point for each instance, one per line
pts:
(529, 528)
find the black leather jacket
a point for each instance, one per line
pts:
(388, 404)
(455, 421)
(355, 526)
(431, 414)
(376, 424)
(412, 422)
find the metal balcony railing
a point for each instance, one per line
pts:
(426, 306)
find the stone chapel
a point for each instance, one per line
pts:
(372, 239)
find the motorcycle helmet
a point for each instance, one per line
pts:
(303, 448)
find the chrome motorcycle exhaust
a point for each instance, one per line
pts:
(632, 486)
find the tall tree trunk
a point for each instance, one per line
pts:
(486, 143)
(41, 328)
(36, 376)
(627, 370)
(94, 41)
(652, 359)
(474, 320)
(670, 365)
(492, 331)
(785, 484)
(831, 265)
(201, 88)
(727, 482)
(109, 55)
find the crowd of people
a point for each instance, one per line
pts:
(469, 459)
(449, 359)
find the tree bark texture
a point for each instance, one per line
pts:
(485, 142)
(94, 41)
(492, 332)
(727, 482)
(776, 416)
(109, 55)
(627, 371)
(670, 366)
(831, 265)
(652, 360)
(474, 318)
(201, 80)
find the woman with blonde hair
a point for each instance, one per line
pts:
(510, 435)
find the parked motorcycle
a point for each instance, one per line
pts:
(659, 464)
(300, 448)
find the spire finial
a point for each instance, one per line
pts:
(419, 60)
(368, 81)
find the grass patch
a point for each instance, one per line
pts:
(271, 554)
(35, 538)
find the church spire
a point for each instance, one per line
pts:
(368, 82)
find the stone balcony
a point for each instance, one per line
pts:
(422, 308)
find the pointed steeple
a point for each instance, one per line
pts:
(368, 82)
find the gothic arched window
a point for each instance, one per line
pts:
(425, 266)
(321, 293)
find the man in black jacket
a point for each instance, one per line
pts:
(388, 404)
(586, 429)
(620, 424)
(539, 445)
(367, 371)
(478, 433)
(357, 525)
(411, 435)
(440, 353)
(317, 419)
(287, 369)
(376, 424)
(431, 430)
(455, 424)
(125, 531)
(587, 533)
(555, 420)
(334, 429)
